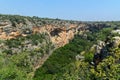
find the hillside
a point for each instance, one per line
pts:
(33, 48)
(92, 57)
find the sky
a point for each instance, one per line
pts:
(82, 10)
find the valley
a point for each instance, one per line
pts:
(33, 48)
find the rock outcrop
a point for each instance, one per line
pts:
(60, 31)
(102, 49)
(59, 35)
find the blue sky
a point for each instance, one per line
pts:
(83, 10)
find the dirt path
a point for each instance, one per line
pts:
(41, 62)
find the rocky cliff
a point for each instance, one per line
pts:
(60, 31)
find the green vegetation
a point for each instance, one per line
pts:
(93, 53)
(62, 64)
(89, 57)
(19, 56)
(61, 57)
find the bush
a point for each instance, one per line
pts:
(89, 57)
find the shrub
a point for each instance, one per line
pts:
(89, 57)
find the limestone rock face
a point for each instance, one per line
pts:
(60, 31)
(3, 35)
(116, 31)
(116, 41)
(59, 35)
(102, 49)
(62, 38)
